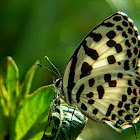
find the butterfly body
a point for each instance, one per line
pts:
(101, 78)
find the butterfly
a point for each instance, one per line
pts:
(101, 78)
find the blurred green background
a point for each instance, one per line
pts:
(30, 30)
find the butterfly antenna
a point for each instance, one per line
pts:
(135, 130)
(47, 68)
(53, 66)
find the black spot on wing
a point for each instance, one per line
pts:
(107, 77)
(90, 95)
(91, 101)
(85, 66)
(85, 69)
(130, 31)
(135, 51)
(108, 24)
(111, 43)
(96, 36)
(124, 98)
(136, 33)
(119, 28)
(126, 65)
(118, 123)
(95, 111)
(131, 24)
(125, 17)
(120, 104)
(117, 18)
(124, 23)
(83, 106)
(120, 75)
(137, 83)
(109, 110)
(120, 112)
(129, 117)
(90, 52)
(112, 83)
(111, 34)
(134, 63)
(128, 53)
(129, 91)
(135, 92)
(100, 90)
(119, 63)
(127, 106)
(118, 48)
(127, 43)
(133, 40)
(133, 100)
(91, 82)
(129, 83)
(113, 117)
(124, 34)
(111, 59)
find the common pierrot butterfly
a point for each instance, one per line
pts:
(102, 78)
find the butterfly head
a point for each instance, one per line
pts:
(58, 83)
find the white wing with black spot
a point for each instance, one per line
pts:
(101, 77)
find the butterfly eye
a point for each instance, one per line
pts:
(58, 83)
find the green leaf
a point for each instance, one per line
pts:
(33, 113)
(12, 79)
(25, 88)
(69, 123)
(3, 97)
(12, 85)
(3, 110)
(3, 130)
